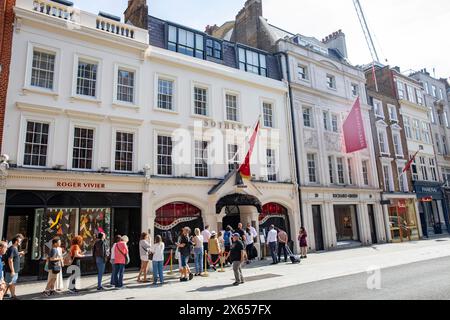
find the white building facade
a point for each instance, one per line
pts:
(106, 133)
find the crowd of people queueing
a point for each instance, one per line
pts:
(231, 247)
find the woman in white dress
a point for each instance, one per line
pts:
(59, 284)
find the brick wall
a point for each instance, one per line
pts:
(6, 34)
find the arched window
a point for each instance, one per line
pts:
(172, 217)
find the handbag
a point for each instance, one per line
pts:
(56, 268)
(150, 256)
(46, 266)
(68, 260)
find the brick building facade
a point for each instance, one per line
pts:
(6, 34)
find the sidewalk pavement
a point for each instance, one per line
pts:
(260, 276)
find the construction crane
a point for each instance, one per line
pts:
(366, 31)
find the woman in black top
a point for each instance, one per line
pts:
(184, 246)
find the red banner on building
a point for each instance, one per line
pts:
(354, 133)
(245, 167)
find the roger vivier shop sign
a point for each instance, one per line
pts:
(345, 196)
(80, 185)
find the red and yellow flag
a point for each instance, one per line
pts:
(245, 166)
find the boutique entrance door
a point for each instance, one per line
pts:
(21, 221)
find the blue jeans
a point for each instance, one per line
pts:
(118, 275)
(158, 270)
(273, 251)
(101, 270)
(198, 254)
(113, 270)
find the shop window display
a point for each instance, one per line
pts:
(92, 222)
(56, 222)
(403, 222)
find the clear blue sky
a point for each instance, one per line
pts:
(412, 34)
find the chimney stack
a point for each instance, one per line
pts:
(336, 40)
(246, 28)
(211, 29)
(137, 13)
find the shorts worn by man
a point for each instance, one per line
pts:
(237, 257)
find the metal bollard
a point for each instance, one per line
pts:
(171, 262)
(221, 264)
(205, 273)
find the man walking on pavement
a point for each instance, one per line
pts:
(237, 257)
(282, 243)
(272, 241)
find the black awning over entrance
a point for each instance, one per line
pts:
(238, 200)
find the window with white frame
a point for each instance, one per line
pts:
(326, 120)
(392, 112)
(426, 87)
(350, 171)
(441, 94)
(431, 115)
(411, 96)
(36, 144)
(407, 125)
(201, 159)
(271, 165)
(43, 69)
(414, 170)
(419, 97)
(164, 155)
(165, 94)
(268, 115)
(365, 172)
(447, 124)
(400, 90)
(312, 168)
(124, 151)
(331, 169)
(444, 146)
(397, 144)
(331, 81)
(302, 71)
(387, 178)
(307, 117)
(87, 78)
(426, 132)
(378, 108)
(334, 123)
(416, 130)
(231, 107)
(355, 89)
(438, 143)
(423, 168)
(125, 85)
(446, 176)
(83, 148)
(434, 91)
(382, 141)
(233, 157)
(403, 184)
(340, 170)
(433, 169)
(200, 101)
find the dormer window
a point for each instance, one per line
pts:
(186, 42)
(213, 48)
(252, 61)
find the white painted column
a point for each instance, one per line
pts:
(330, 239)
(147, 222)
(387, 226)
(364, 225)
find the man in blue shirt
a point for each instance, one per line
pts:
(3, 248)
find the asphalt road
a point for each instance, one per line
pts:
(426, 280)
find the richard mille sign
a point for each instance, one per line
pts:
(345, 196)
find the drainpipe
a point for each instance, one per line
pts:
(294, 129)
